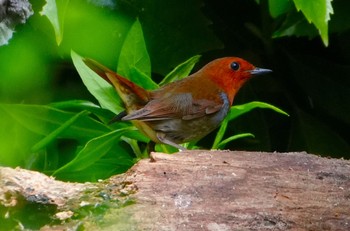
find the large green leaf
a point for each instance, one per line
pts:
(317, 12)
(295, 24)
(97, 86)
(134, 61)
(55, 11)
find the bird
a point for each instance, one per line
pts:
(184, 110)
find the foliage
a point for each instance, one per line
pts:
(315, 12)
(55, 11)
(72, 139)
(234, 113)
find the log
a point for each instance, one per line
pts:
(208, 190)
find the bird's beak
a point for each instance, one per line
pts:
(259, 71)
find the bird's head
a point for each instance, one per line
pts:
(231, 73)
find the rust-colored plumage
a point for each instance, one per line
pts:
(185, 110)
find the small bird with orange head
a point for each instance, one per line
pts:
(185, 110)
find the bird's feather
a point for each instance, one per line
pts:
(178, 106)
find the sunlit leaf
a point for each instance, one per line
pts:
(97, 86)
(134, 58)
(317, 12)
(55, 11)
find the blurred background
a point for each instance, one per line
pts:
(311, 79)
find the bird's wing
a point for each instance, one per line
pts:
(180, 106)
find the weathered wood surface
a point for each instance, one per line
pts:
(221, 190)
(242, 190)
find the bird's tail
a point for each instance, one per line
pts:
(133, 96)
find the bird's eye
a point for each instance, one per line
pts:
(235, 66)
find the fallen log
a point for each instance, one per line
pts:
(201, 190)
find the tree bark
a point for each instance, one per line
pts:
(211, 190)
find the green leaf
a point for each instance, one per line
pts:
(279, 7)
(23, 126)
(55, 11)
(136, 134)
(238, 110)
(97, 86)
(110, 164)
(232, 138)
(103, 114)
(141, 79)
(174, 30)
(134, 55)
(43, 120)
(81, 104)
(181, 71)
(55, 133)
(317, 12)
(93, 151)
(165, 148)
(134, 146)
(16, 141)
(295, 24)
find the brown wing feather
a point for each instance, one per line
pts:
(180, 106)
